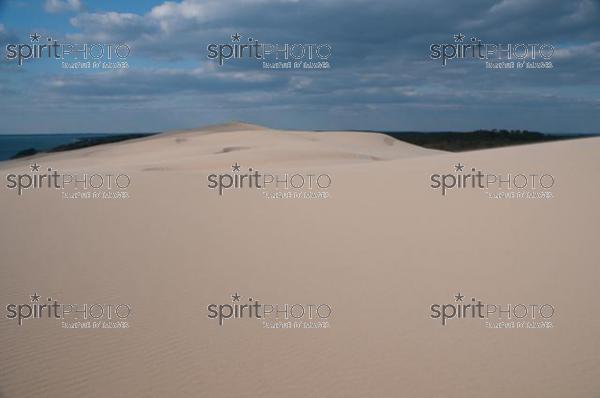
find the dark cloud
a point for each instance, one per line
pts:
(381, 74)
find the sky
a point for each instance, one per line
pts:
(381, 74)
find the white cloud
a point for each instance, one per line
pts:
(515, 6)
(585, 10)
(110, 25)
(62, 5)
(583, 51)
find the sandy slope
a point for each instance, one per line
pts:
(380, 251)
(209, 147)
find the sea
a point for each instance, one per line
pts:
(11, 144)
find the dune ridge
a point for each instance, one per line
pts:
(203, 148)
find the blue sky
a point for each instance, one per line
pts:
(381, 76)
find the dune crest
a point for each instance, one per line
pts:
(224, 127)
(206, 147)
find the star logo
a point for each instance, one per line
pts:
(35, 297)
(459, 38)
(35, 37)
(459, 167)
(235, 167)
(236, 37)
(235, 297)
(459, 297)
(35, 167)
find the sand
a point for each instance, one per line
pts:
(380, 251)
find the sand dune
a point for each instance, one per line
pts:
(380, 250)
(206, 148)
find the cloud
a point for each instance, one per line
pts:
(6, 36)
(154, 85)
(381, 75)
(54, 6)
(112, 26)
